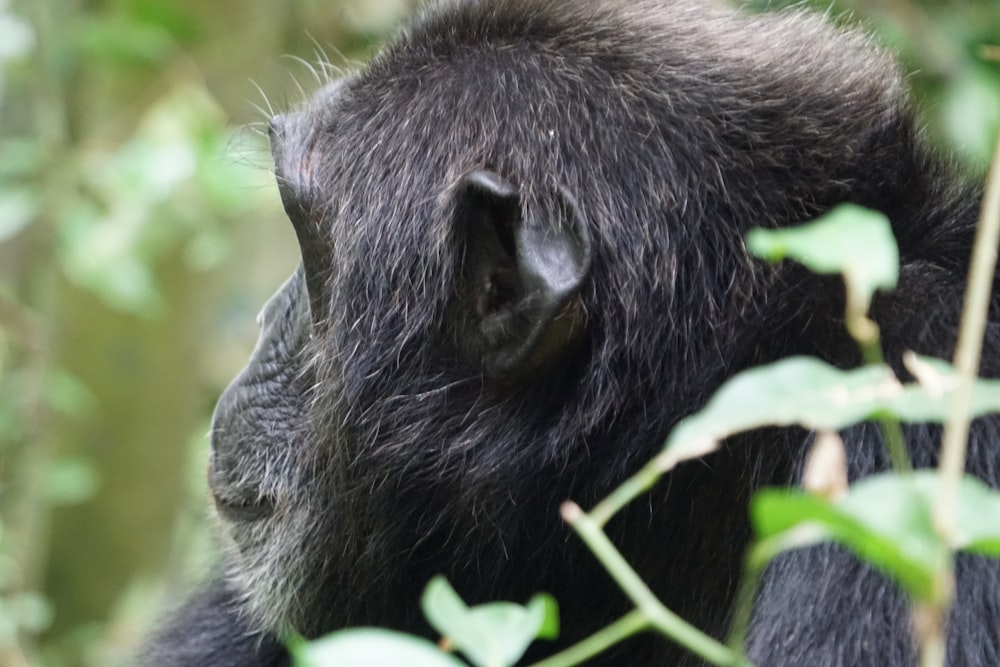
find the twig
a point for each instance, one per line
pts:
(632, 623)
(968, 351)
(659, 617)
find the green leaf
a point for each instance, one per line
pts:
(371, 647)
(173, 17)
(68, 395)
(124, 41)
(930, 400)
(18, 209)
(549, 610)
(884, 520)
(17, 39)
(977, 529)
(796, 390)
(887, 520)
(30, 610)
(98, 252)
(849, 239)
(490, 635)
(70, 481)
(970, 112)
(21, 157)
(807, 392)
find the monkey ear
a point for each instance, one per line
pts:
(523, 272)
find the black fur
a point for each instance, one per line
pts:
(522, 229)
(212, 630)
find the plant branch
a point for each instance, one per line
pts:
(866, 333)
(630, 624)
(659, 617)
(631, 488)
(968, 351)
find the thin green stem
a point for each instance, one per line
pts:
(661, 618)
(932, 652)
(628, 491)
(895, 444)
(632, 623)
(975, 312)
(758, 555)
(969, 349)
(753, 568)
(930, 626)
(866, 333)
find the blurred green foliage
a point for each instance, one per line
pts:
(139, 233)
(132, 179)
(942, 46)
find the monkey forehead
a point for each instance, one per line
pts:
(649, 96)
(519, 86)
(793, 45)
(643, 110)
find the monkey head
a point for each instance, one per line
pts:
(522, 241)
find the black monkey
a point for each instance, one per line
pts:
(522, 236)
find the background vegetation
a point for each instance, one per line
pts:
(139, 234)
